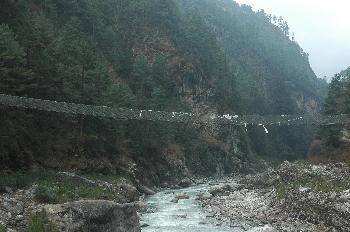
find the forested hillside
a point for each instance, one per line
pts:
(332, 142)
(194, 56)
(272, 73)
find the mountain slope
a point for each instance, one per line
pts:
(199, 56)
(332, 142)
(272, 73)
(266, 61)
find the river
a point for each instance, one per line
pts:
(184, 216)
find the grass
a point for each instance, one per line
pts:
(53, 189)
(109, 178)
(2, 228)
(40, 223)
(315, 183)
(60, 191)
(17, 181)
(49, 188)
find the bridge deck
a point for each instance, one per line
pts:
(180, 117)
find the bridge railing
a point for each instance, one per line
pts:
(180, 117)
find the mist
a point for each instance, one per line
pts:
(321, 28)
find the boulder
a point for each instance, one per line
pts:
(145, 190)
(222, 190)
(179, 196)
(143, 225)
(127, 193)
(185, 183)
(94, 216)
(204, 196)
(182, 196)
(175, 200)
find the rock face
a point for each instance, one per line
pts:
(94, 216)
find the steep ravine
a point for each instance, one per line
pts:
(190, 56)
(200, 56)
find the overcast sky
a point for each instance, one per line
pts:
(321, 27)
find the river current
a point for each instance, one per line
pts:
(184, 216)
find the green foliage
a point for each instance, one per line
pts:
(337, 102)
(50, 188)
(17, 181)
(45, 194)
(316, 183)
(40, 223)
(11, 52)
(264, 69)
(119, 95)
(53, 190)
(112, 179)
(13, 74)
(149, 54)
(2, 228)
(264, 59)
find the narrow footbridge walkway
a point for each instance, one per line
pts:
(180, 117)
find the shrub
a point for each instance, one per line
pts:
(45, 194)
(17, 181)
(40, 223)
(52, 189)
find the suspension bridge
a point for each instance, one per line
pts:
(163, 116)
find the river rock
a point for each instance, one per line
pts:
(143, 225)
(141, 206)
(182, 216)
(127, 193)
(94, 216)
(145, 190)
(221, 190)
(182, 196)
(277, 198)
(5, 189)
(185, 183)
(204, 196)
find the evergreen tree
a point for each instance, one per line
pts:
(332, 102)
(335, 103)
(15, 78)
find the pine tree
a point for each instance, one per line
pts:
(331, 105)
(15, 78)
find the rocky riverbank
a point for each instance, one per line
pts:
(69, 202)
(292, 197)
